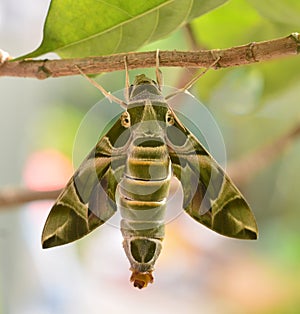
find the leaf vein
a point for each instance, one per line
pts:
(116, 26)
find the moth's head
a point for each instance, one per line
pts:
(143, 79)
(143, 87)
(147, 110)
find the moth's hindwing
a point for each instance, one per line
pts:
(88, 200)
(210, 197)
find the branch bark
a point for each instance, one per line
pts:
(235, 56)
(17, 196)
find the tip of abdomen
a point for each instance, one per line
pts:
(141, 280)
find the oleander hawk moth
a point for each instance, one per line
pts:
(130, 170)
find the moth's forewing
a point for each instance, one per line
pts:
(210, 197)
(88, 199)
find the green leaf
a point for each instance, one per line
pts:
(89, 27)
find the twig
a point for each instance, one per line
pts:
(242, 170)
(236, 56)
(18, 196)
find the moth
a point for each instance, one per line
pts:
(130, 170)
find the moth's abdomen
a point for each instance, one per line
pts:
(145, 183)
(141, 198)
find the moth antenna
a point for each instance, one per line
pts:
(127, 83)
(159, 76)
(193, 80)
(107, 94)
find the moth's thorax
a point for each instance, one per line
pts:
(148, 121)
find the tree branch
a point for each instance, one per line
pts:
(242, 170)
(235, 56)
(18, 196)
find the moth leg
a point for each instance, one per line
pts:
(127, 83)
(159, 76)
(193, 80)
(107, 94)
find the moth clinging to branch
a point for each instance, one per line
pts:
(130, 170)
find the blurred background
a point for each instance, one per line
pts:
(198, 270)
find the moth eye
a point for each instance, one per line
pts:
(125, 120)
(169, 118)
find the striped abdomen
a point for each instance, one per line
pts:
(141, 199)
